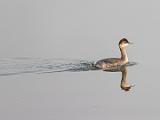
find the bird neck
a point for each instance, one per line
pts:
(124, 55)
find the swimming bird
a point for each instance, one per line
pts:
(109, 63)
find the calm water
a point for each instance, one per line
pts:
(33, 88)
(58, 89)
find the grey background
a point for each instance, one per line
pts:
(80, 29)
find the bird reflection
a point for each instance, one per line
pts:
(124, 81)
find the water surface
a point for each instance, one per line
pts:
(32, 88)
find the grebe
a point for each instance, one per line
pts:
(109, 63)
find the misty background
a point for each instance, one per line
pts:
(88, 29)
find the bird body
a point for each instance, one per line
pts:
(109, 63)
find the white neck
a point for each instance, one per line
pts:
(124, 55)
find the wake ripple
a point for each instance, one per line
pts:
(16, 66)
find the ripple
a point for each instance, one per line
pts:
(22, 65)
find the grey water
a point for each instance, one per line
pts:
(64, 87)
(35, 85)
(15, 66)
